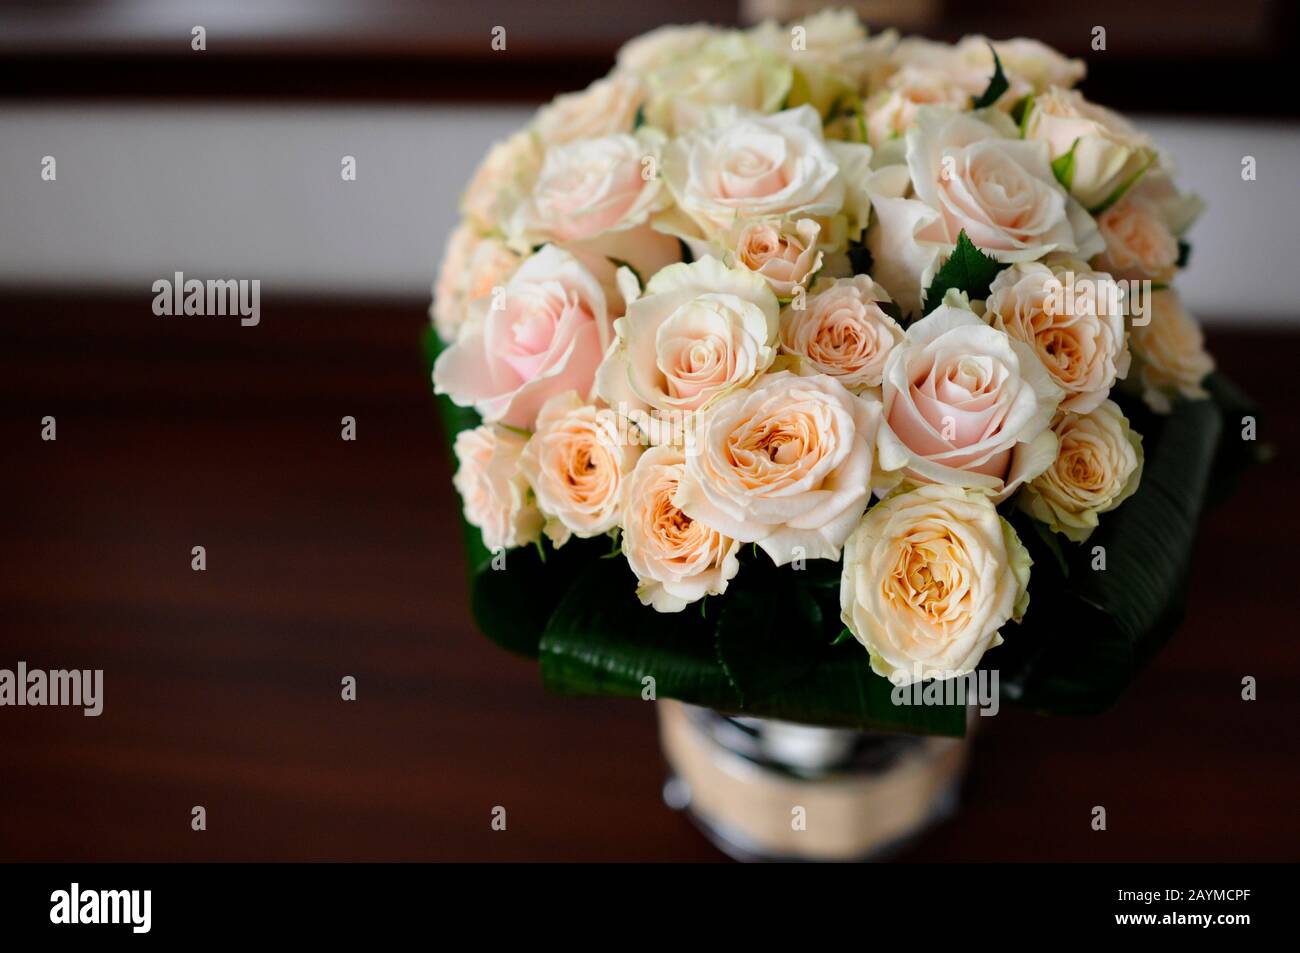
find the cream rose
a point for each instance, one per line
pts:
(1098, 467)
(728, 69)
(967, 175)
(605, 107)
(930, 577)
(592, 186)
(966, 405)
(834, 55)
(786, 464)
(842, 331)
(493, 489)
(1170, 351)
(677, 560)
(471, 267)
(662, 46)
(577, 461)
(546, 337)
(699, 331)
(892, 110)
(1072, 319)
(746, 166)
(502, 182)
(783, 253)
(1108, 153)
(1138, 243)
(1027, 64)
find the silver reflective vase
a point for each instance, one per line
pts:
(770, 790)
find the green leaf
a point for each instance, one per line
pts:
(997, 84)
(1063, 166)
(967, 269)
(1184, 253)
(859, 258)
(639, 119)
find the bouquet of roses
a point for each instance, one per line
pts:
(776, 358)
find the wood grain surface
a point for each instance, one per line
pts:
(328, 558)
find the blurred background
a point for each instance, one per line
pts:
(329, 558)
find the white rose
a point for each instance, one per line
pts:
(841, 331)
(1072, 318)
(930, 577)
(471, 267)
(502, 181)
(966, 175)
(493, 489)
(662, 46)
(577, 461)
(966, 405)
(1170, 352)
(700, 330)
(728, 69)
(833, 59)
(1098, 467)
(786, 464)
(592, 186)
(677, 560)
(1109, 154)
(747, 166)
(782, 252)
(605, 107)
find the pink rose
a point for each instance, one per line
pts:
(545, 334)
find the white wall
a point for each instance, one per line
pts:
(246, 192)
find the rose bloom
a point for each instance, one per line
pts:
(1171, 354)
(491, 485)
(1098, 467)
(746, 166)
(966, 405)
(677, 560)
(471, 267)
(502, 181)
(930, 576)
(576, 462)
(892, 110)
(1138, 243)
(1109, 153)
(589, 187)
(842, 331)
(605, 107)
(1072, 319)
(547, 337)
(700, 330)
(658, 48)
(728, 69)
(1027, 64)
(784, 253)
(966, 175)
(786, 464)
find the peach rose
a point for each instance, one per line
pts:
(1171, 355)
(968, 175)
(677, 560)
(493, 489)
(784, 253)
(576, 462)
(930, 577)
(1072, 319)
(892, 110)
(786, 464)
(546, 336)
(966, 405)
(1098, 467)
(471, 267)
(841, 331)
(700, 330)
(1138, 243)
(592, 186)
(605, 107)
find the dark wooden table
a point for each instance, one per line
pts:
(328, 558)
